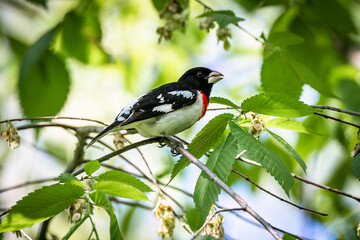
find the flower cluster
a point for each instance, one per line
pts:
(77, 209)
(215, 227)
(206, 24)
(164, 211)
(175, 17)
(224, 34)
(256, 126)
(11, 136)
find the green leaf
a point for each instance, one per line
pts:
(276, 104)
(118, 176)
(91, 167)
(44, 81)
(159, 4)
(42, 3)
(283, 39)
(101, 200)
(194, 219)
(119, 189)
(287, 236)
(203, 141)
(224, 101)
(74, 43)
(264, 156)
(68, 178)
(355, 166)
(222, 17)
(291, 124)
(306, 76)
(277, 75)
(220, 162)
(40, 205)
(289, 149)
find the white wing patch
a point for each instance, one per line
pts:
(161, 98)
(165, 108)
(185, 94)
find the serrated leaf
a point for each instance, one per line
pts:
(222, 17)
(289, 149)
(276, 104)
(283, 39)
(40, 205)
(290, 124)
(102, 200)
(118, 176)
(118, 189)
(264, 156)
(220, 162)
(203, 141)
(91, 167)
(306, 76)
(194, 219)
(224, 101)
(278, 76)
(44, 81)
(355, 166)
(68, 178)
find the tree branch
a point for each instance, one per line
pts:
(281, 199)
(252, 162)
(337, 119)
(335, 109)
(226, 188)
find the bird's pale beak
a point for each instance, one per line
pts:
(214, 77)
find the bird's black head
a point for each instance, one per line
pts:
(201, 78)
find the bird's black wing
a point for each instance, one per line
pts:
(162, 100)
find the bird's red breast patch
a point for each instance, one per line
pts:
(205, 104)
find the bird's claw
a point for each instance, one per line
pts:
(162, 144)
(175, 144)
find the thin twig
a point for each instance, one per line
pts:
(281, 199)
(337, 119)
(276, 228)
(213, 215)
(26, 184)
(25, 234)
(252, 162)
(52, 118)
(326, 187)
(132, 204)
(225, 187)
(335, 109)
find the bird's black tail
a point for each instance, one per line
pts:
(103, 133)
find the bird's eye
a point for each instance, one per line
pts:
(200, 74)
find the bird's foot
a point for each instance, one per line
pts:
(175, 144)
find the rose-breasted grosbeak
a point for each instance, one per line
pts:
(170, 108)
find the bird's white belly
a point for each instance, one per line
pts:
(173, 122)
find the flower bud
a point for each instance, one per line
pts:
(11, 136)
(164, 211)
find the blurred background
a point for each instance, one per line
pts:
(106, 53)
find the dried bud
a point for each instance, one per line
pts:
(256, 126)
(11, 136)
(206, 23)
(119, 140)
(358, 230)
(214, 228)
(164, 211)
(77, 209)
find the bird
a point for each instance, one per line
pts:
(168, 109)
